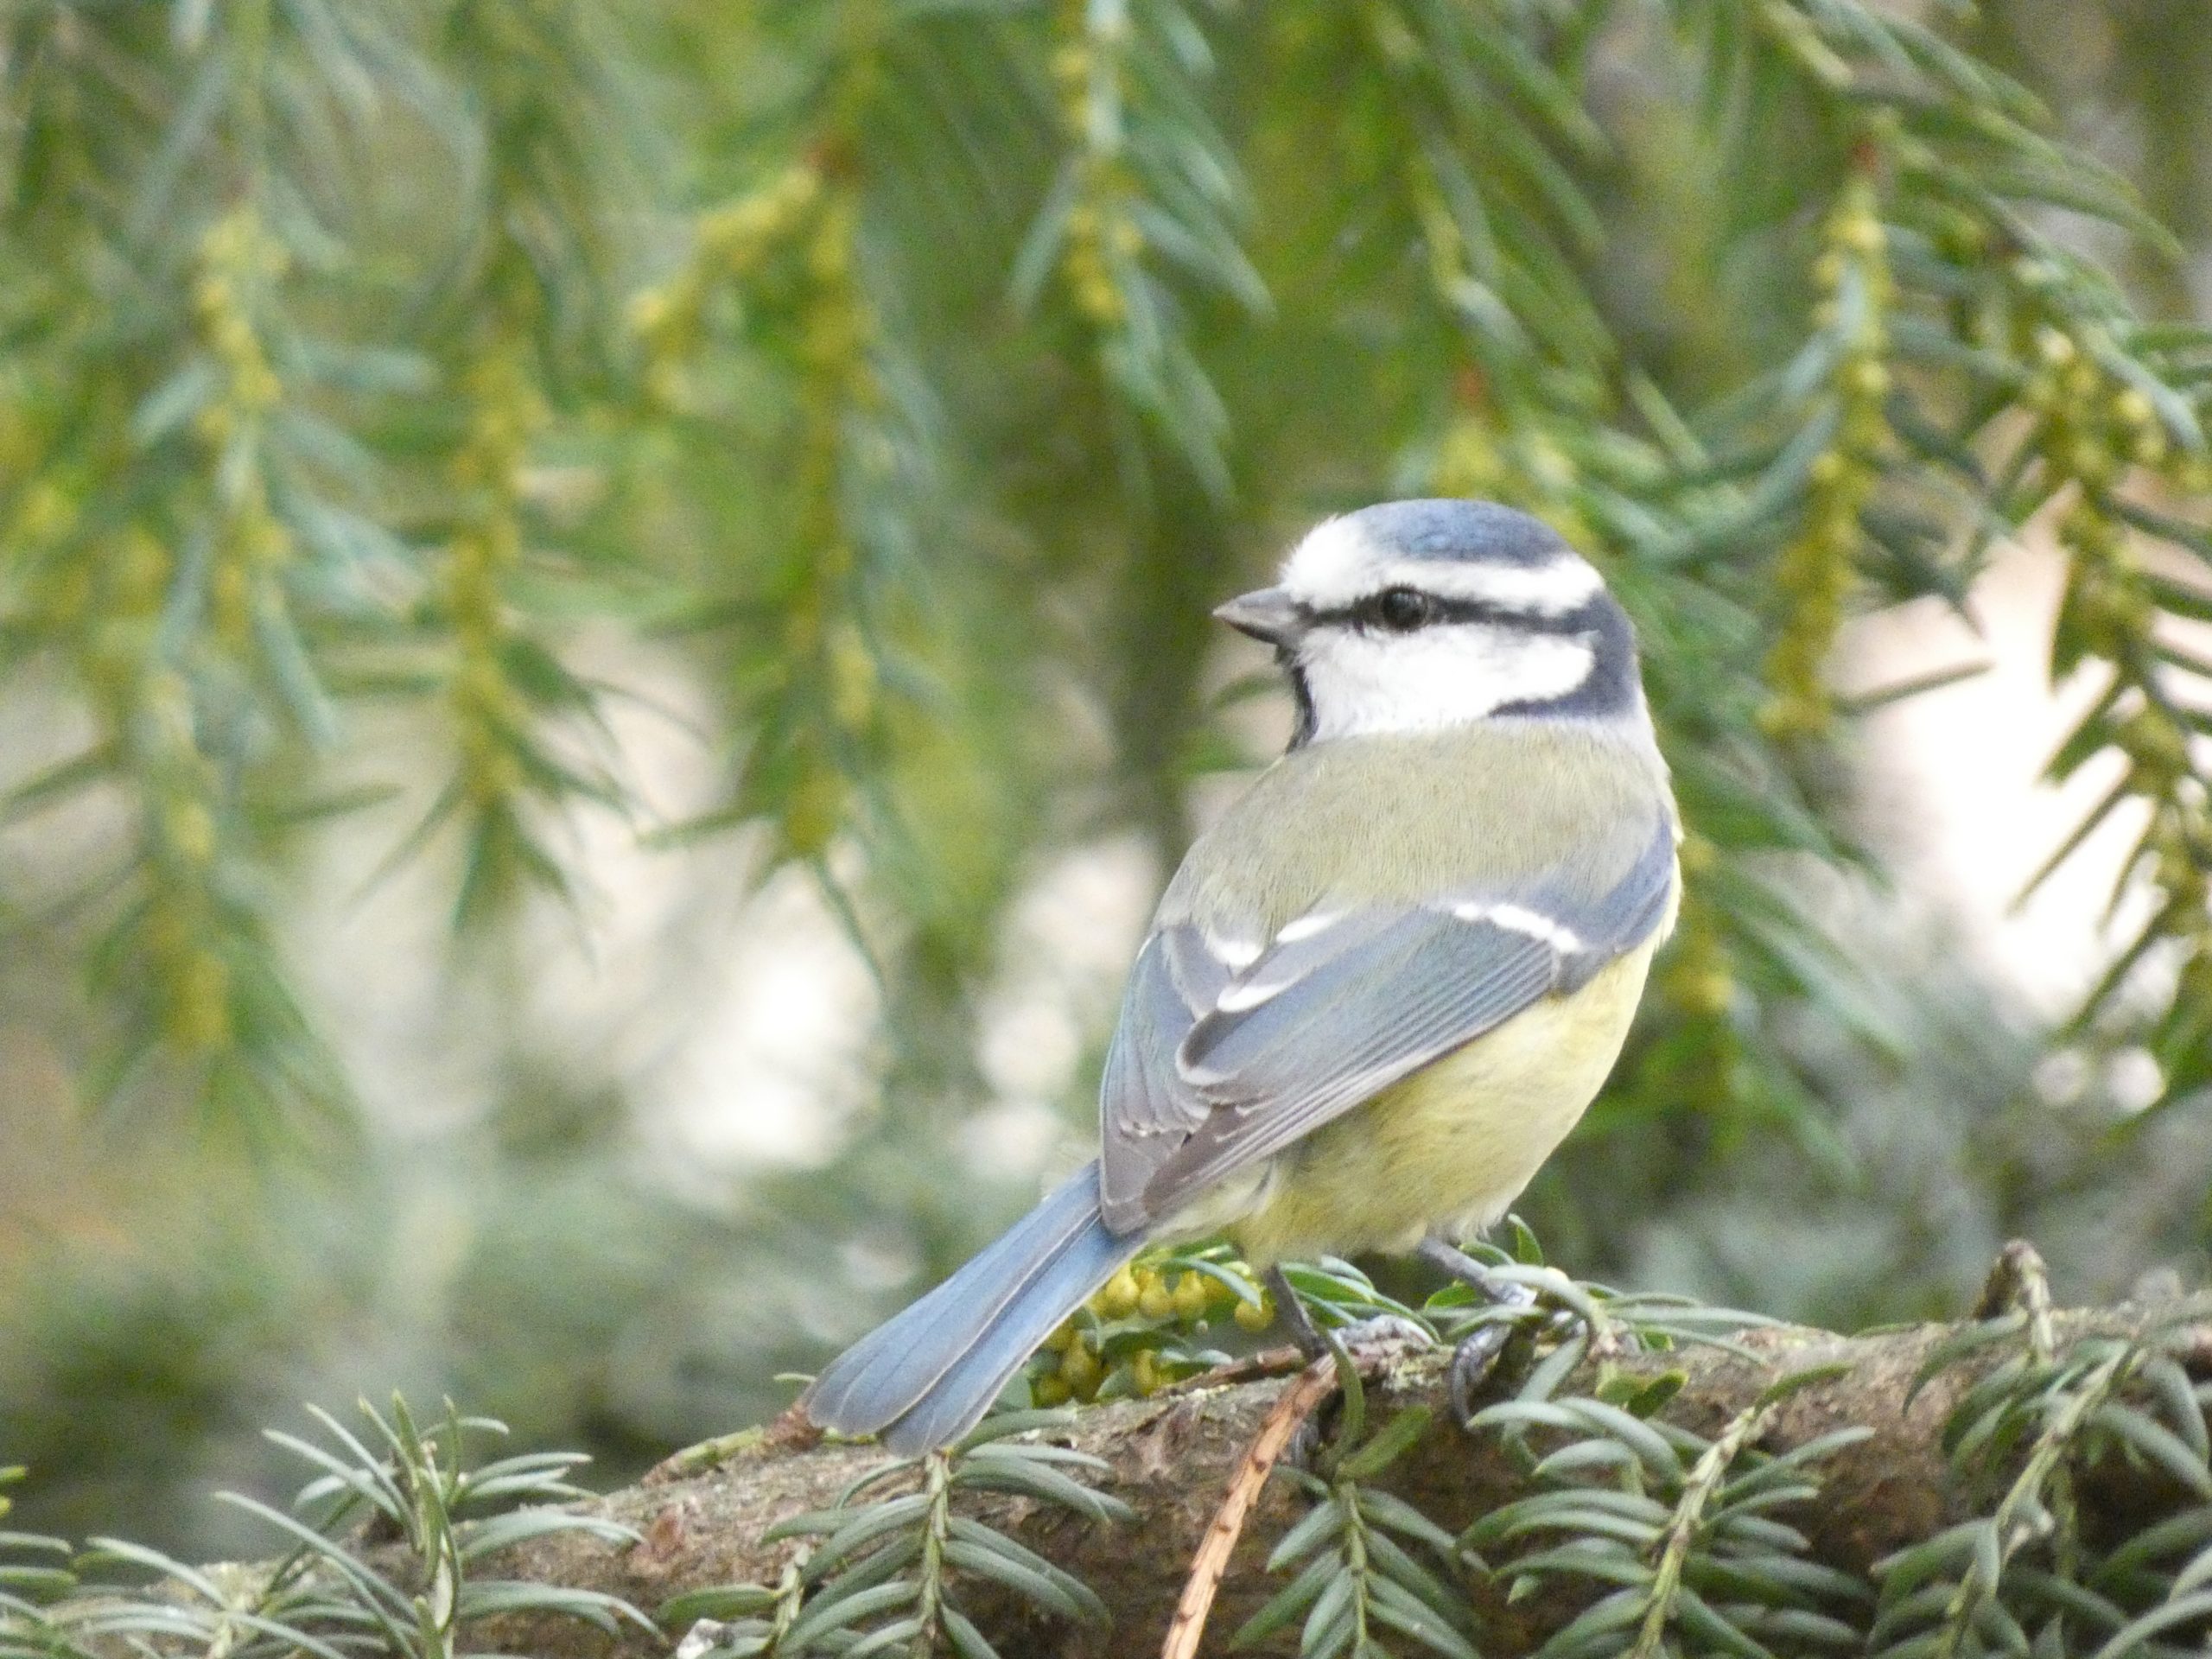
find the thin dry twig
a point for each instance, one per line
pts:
(790, 1431)
(1297, 1402)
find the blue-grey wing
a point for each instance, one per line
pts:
(1146, 1108)
(1340, 1005)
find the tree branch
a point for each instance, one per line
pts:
(1174, 1456)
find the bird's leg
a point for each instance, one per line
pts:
(1478, 1351)
(1304, 1333)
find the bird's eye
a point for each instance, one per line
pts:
(1403, 609)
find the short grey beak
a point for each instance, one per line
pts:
(1268, 614)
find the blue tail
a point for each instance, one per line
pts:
(922, 1379)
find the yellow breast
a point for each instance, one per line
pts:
(1449, 1148)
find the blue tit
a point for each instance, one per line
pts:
(1385, 984)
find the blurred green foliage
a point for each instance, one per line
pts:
(396, 397)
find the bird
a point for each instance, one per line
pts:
(1383, 986)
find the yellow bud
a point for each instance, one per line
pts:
(1101, 302)
(2054, 348)
(497, 775)
(2090, 462)
(1864, 429)
(189, 829)
(852, 677)
(200, 1005)
(1117, 1298)
(649, 310)
(266, 542)
(1793, 716)
(1049, 1390)
(1869, 377)
(2132, 407)
(1712, 991)
(1058, 1341)
(1256, 1317)
(2156, 743)
(814, 811)
(48, 511)
(1080, 1370)
(797, 187)
(1968, 238)
(1144, 1373)
(1155, 1301)
(1862, 233)
(229, 595)
(233, 337)
(1190, 1297)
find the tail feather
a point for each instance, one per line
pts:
(924, 1377)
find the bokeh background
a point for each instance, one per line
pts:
(604, 620)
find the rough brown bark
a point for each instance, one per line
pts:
(1173, 1455)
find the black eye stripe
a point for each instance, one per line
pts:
(1365, 612)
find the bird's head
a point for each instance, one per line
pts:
(1414, 616)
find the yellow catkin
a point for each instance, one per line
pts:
(1102, 242)
(804, 223)
(2095, 425)
(1817, 571)
(730, 243)
(238, 262)
(505, 413)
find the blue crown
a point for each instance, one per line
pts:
(1473, 531)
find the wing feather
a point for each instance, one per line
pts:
(1219, 1064)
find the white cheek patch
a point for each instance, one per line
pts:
(1441, 676)
(1338, 563)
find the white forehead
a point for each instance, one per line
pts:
(1339, 562)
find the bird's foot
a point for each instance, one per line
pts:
(1362, 1333)
(1385, 1328)
(1474, 1362)
(1476, 1359)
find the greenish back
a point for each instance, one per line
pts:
(1385, 817)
